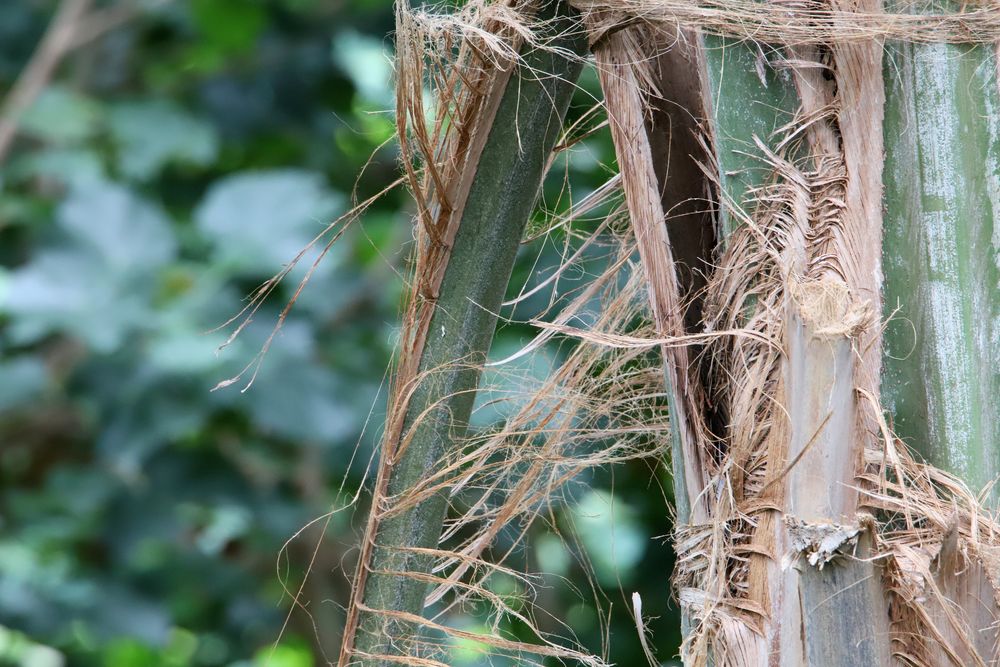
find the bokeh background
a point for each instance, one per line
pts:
(173, 162)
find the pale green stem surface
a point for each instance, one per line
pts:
(942, 286)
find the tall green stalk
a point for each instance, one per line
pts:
(527, 124)
(942, 283)
(942, 245)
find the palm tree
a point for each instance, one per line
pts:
(809, 535)
(811, 190)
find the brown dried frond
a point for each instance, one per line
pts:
(810, 22)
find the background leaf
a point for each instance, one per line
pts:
(179, 137)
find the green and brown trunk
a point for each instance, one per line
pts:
(815, 449)
(783, 459)
(941, 289)
(526, 125)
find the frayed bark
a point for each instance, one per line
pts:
(802, 423)
(626, 87)
(482, 173)
(803, 518)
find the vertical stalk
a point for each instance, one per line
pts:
(727, 86)
(942, 289)
(746, 101)
(942, 244)
(527, 124)
(814, 445)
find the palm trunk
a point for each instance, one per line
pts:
(942, 289)
(502, 184)
(941, 278)
(781, 508)
(806, 532)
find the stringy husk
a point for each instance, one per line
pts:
(795, 245)
(811, 22)
(605, 403)
(600, 405)
(917, 509)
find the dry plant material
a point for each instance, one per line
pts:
(807, 512)
(813, 22)
(803, 520)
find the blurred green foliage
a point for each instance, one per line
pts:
(171, 167)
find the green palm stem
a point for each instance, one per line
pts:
(509, 173)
